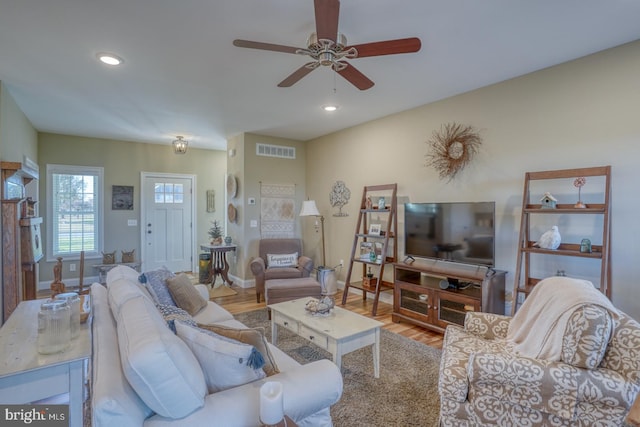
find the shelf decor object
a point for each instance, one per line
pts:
(453, 147)
(579, 182)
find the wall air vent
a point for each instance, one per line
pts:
(270, 150)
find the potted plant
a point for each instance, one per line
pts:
(215, 232)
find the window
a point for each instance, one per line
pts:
(168, 193)
(74, 211)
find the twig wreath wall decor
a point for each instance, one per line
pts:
(452, 148)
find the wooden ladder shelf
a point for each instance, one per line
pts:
(524, 283)
(379, 201)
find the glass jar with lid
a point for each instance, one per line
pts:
(54, 326)
(74, 302)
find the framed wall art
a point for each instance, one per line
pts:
(122, 197)
(211, 200)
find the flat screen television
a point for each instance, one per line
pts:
(453, 231)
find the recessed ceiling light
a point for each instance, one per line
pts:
(329, 108)
(109, 58)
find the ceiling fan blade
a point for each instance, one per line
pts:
(327, 13)
(355, 77)
(265, 46)
(298, 74)
(388, 47)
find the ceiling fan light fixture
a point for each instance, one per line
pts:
(180, 145)
(328, 47)
(326, 58)
(109, 58)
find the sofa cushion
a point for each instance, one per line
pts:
(158, 365)
(254, 337)
(171, 313)
(122, 272)
(185, 295)
(121, 289)
(212, 313)
(156, 282)
(586, 337)
(113, 401)
(282, 260)
(225, 363)
(282, 273)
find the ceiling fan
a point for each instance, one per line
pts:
(329, 48)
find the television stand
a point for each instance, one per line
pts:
(420, 297)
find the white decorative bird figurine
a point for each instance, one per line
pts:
(549, 239)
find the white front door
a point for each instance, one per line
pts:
(167, 212)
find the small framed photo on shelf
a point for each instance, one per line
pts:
(374, 229)
(381, 203)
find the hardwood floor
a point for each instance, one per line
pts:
(245, 300)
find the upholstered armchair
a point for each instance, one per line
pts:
(485, 381)
(279, 259)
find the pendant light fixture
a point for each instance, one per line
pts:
(180, 145)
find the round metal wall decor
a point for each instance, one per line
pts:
(452, 148)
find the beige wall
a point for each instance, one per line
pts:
(579, 114)
(251, 170)
(18, 138)
(123, 162)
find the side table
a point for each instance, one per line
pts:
(218, 263)
(27, 376)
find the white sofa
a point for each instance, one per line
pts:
(138, 363)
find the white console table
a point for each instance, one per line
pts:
(27, 376)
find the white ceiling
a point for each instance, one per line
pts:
(183, 76)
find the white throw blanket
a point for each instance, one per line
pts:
(537, 329)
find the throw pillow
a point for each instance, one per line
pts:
(156, 283)
(282, 260)
(185, 294)
(254, 337)
(225, 363)
(171, 313)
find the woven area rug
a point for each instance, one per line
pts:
(406, 394)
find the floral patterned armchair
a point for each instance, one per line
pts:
(483, 382)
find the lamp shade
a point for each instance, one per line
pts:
(309, 208)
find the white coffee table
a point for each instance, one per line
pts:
(339, 333)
